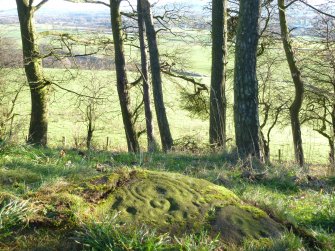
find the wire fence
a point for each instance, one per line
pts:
(316, 148)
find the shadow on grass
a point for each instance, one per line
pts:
(24, 169)
(323, 221)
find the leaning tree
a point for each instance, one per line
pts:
(163, 123)
(152, 144)
(121, 77)
(298, 83)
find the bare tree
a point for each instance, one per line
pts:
(298, 84)
(92, 103)
(273, 98)
(320, 90)
(9, 91)
(123, 86)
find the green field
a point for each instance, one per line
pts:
(66, 120)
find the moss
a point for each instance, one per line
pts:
(166, 201)
(58, 207)
(98, 188)
(10, 177)
(174, 202)
(237, 224)
(256, 212)
(43, 240)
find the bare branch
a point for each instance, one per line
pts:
(197, 84)
(38, 6)
(73, 92)
(316, 9)
(289, 4)
(89, 1)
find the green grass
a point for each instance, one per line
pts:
(12, 213)
(285, 192)
(67, 121)
(108, 236)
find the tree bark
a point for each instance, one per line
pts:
(218, 104)
(266, 147)
(89, 135)
(39, 86)
(90, 126)
(331, 141)
(245, 80)
(152, 144)
(121, 77)
(298, 84)
(331, 152)
(163, 123)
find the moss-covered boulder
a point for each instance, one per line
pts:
(175, 203)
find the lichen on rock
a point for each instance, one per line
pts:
(168, 202)
(165, 199)
(235, 224)
(177, 203)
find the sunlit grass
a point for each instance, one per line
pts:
(285, 192)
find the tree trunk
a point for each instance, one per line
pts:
(39, 86)
(331, 153)
(245, 80)
(162, 120)
(331, 141)
(121, 77)
(90, 126)
(298, 84)
(89, 135)
(218, 104)
(266, 147)
(152, 144)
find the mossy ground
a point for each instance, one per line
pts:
(177, 204)
(62, 195)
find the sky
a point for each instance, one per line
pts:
(60, 4)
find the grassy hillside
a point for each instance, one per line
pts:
(304, 204)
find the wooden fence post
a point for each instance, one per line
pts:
(64, 141)
(107, 143)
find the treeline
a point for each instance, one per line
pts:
(240, 30)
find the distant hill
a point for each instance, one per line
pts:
(196, 5)
(300, 16)
(9, 12)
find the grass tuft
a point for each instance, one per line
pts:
(13, 214)
(108, 235)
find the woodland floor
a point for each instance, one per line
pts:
(302, 200)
